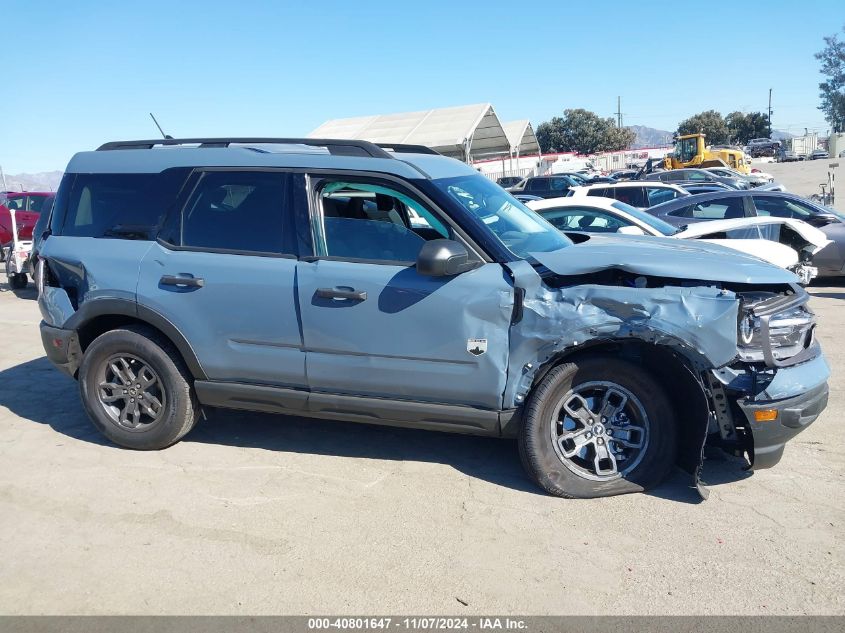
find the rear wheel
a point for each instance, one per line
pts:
(136, 389)
(598, 427)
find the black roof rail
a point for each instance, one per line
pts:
(337, 147)
(404, 148)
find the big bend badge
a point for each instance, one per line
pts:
(476, 346)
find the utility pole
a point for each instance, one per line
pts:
(619, 112)
(770, 113)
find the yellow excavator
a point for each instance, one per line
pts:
(691, 151)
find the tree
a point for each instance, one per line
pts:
(743, 127)
(550, 136)
(710, 123)
(584, 132)
(832, 91)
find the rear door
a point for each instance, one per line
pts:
(224, 271)
(373, 326)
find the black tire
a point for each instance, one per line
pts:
(18, 281)
(561, 477)
(179, 407)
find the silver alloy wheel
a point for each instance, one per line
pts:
(600, 430)
(130, 392)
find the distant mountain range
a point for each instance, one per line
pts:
(650, 137)
(42, 181)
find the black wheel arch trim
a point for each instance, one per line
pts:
(95, 308)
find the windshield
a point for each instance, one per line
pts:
(517, 227)
(578, 178)
(686, 149)
(646, 218)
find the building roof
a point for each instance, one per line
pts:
(457, 131)
(521, 137)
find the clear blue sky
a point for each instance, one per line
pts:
(84, 72)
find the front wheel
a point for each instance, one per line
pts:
(136, 389)
(598, 427)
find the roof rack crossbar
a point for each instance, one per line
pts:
(339, 147)
(405, 148)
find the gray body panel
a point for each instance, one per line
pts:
(242, 322)
(409, 338)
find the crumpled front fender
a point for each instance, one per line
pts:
(698, 322)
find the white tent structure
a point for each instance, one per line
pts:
(464, 132)
(521, 138)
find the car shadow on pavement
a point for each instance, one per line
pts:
(827, 287)
(36, 391)
(25, 293)
(830, 295)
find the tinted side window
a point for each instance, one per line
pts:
(630, 195)
(780, 208)
(57, 218)
(718, 209)
(537, 184)
(602, 192)
(39, 204)
(18, 203)
(123, 206)
(658, 195)
(236, 211)
(683, 212)
(697, 176)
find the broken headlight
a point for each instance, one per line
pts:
(774, 328)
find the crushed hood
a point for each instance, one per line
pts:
(663, 257)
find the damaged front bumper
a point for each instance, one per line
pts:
(62, 348)
(772, 406)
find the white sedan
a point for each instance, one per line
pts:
(784, 242)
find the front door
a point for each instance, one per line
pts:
(224, 273)
(372, 326)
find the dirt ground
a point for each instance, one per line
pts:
(257, 514)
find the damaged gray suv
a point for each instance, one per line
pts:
(391, 285)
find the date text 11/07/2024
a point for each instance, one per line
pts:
(418, 623)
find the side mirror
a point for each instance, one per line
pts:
(443, 258)
(630, 230)
(823, 219)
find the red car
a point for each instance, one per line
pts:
(28, 205)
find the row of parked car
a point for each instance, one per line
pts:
(748, 213)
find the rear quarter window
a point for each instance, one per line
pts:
(120, 206)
